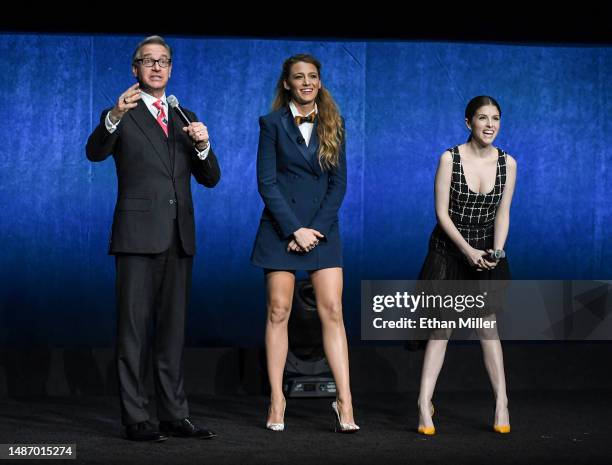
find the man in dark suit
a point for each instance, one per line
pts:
(153, 238)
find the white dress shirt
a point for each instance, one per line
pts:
(305, 128)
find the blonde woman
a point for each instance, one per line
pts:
(301, 176)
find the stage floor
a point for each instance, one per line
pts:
(572, 427)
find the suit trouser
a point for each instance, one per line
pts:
(152, 297)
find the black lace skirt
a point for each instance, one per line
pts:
(445, 262)
(440, 264)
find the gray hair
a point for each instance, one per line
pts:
(159, 40)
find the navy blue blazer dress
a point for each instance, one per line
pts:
(296, 193)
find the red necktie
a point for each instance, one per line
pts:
(161, 116)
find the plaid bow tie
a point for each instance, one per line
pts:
(305, 119)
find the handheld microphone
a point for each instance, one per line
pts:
(174, 103)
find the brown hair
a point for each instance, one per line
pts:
(477, 102)
(330, 129)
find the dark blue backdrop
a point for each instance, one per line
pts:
(403, 104)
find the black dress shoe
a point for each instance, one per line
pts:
(185, 429)
(144, 431)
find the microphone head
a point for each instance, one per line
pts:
(172, 101)
(300, 140)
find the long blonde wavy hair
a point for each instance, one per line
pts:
(329, 128)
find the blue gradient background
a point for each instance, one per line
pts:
(403, 103)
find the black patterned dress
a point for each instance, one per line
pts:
(474, 216)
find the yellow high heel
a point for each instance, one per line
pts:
(428, 430)
(502, 429)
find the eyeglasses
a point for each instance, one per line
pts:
(150, 62)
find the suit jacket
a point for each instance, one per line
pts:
(296, 193)
(154, 180)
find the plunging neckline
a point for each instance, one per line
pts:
(465, 178)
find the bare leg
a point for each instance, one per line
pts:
(327, 285)
(494, 363)
(279, 287)
(432, 364)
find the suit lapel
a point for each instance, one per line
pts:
(313, 147)
(153, 132)
(295, 135)
(172, 135)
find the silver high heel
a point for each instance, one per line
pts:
(276, 426)
(340, 427)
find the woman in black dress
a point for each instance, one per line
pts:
(301, 176)
(473, 192)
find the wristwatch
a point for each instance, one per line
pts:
(498, 253)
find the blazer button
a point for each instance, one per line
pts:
(292, 200)
(315, 200)
(316, 178)
(171, 201)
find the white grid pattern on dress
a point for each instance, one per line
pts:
(472, 213)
